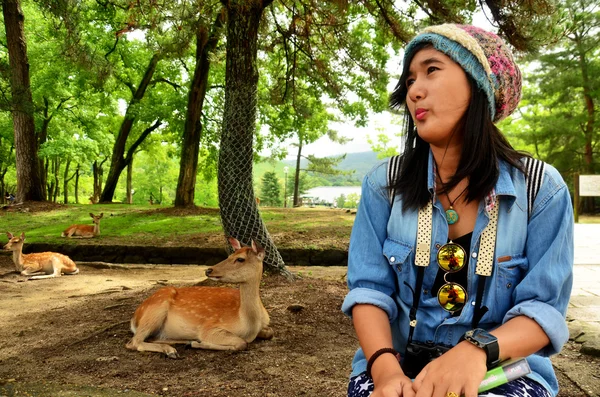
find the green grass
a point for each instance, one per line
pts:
(120, 220)
(124, 224)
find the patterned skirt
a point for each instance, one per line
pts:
(362, 386)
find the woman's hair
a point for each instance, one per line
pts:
(483, 145)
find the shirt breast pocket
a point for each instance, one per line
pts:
(510, 271)
(400, 256)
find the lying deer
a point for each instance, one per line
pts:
(50, 264)
(215, 318)
(84, 231)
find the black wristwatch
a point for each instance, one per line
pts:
(486, 341)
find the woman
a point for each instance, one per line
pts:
(447, 255)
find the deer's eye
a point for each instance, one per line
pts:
(240, 260)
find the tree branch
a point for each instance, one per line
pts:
(139, 141)
(164, 80)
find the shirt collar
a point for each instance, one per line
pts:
(504, 185)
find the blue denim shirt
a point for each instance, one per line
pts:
(532, 275)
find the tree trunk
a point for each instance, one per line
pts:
(42, 137)
(44, 171)
(192, 133)
(3, 191)
(129, 187)
(118, 161)
(77, 183)
(28, 168)
(297, 176)
(238, 209)
(66, 180)
(56, 170)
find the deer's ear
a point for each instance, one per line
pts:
(258, 250)
(9, 235)
(92, 215)
(101, 215)
(234, 243)
(23, 236)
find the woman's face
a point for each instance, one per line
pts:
(438, 96)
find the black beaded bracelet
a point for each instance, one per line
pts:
(378, 353)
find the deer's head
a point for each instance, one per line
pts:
(14, 243)
(243, 266)
(96, 218)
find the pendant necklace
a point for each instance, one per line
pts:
(451, 214)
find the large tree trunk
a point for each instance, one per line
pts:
(98, 174)
(239, 213)
(192, 133)
(29, 186)
(118, 162)
(297, 176)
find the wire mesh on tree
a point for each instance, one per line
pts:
(239, 212)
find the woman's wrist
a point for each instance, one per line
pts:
(383, 361)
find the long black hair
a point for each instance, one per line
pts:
(483, 145)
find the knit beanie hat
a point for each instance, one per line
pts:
(484, 56)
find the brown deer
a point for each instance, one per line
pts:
(49, 264)
(84, 231)
(215, 318)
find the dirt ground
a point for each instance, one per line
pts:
(67, 336)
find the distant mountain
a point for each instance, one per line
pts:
(361, 163)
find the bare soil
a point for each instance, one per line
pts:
(67, 336)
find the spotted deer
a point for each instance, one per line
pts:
(215, 318)
(84, 231)
(39, 265)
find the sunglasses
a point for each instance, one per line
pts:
(451, 259)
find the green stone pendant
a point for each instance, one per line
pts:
(451, 216)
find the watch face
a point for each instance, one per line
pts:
(483, 337)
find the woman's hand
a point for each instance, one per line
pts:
(393, 385)
(460, 370)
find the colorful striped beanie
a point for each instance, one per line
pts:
(483, 55)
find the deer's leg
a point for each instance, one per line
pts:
(56, 271)
(28, 271)
(151, 321)
(221, 340)
(265, 333)
(72, 273)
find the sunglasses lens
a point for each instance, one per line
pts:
(452, 297)
(451, 257)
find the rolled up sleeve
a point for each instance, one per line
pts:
(370, 277)
(543, 294)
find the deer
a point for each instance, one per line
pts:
(213, 318)
(84, 231)
(39, 265)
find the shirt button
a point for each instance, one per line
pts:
(474, 254)
(473, 303)
(425, 291)
(392, 259)
(437, 246)
(508, 285)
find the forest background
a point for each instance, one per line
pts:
(104, 101)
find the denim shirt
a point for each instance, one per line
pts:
(532, 274)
